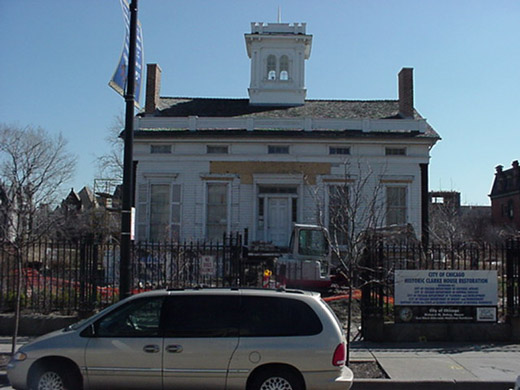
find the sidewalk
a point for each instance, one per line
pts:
(5, 343)
(440, 365)
(5, 349)
(423, 366)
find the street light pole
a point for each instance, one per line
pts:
(125, 265)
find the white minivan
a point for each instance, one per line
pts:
(253, 339)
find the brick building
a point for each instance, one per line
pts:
(505, 196)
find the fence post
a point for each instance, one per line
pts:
(513, 280)
(82, 309)
(94, 276)
(372, 292)
(237, 254)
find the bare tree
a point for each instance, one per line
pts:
(110, 165)
(33, 167)
(446, 224)
(350, 205)
(455, 225)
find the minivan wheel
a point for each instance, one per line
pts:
(53, 378)
(276, 380)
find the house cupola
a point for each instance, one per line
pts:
(278, 52)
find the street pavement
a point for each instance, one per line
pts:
(419, 366)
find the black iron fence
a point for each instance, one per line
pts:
(81, 276)
(376, 271)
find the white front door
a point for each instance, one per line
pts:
(278, 220)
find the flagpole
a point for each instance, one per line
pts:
(125, 265)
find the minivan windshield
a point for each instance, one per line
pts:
(80, 323)
(76, 325)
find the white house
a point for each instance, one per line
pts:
(205, 166)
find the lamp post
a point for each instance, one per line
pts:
(125, 265)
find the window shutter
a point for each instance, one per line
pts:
(142, 212)
(175, 212)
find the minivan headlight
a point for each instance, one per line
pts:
(19, 357)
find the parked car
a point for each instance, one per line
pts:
(517, 383)
(193, 339)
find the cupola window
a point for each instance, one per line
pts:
(271, 67)
(284, 68)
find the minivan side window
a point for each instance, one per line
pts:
(138, 318)
(201, 316)
(277, 317)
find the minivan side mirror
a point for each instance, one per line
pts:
(89, 331)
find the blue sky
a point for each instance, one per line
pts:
(58, 56)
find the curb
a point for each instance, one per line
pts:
(389, 384)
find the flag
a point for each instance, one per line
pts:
(118, 81)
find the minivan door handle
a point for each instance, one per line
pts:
(151, 348)
(174, 348)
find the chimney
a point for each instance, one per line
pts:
(153, 87)
(516, 174)
(406, 93)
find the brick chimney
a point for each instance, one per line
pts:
(153, 87)
(406, 93)
(516, 174)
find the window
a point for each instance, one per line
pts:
(201, 316)
(339, 150)
(271, 67)
(138, 318)
(261, 218)
(395, 151)
(438, 199)
(509, 209)
(217, 149)
(339, 211)
(216, 218)
(159, 211)
(278, 149)
(284, 68)
(165, 211)
(396, 205)
(312, 242)
(160, 149)
(277, 190)
(293, 318)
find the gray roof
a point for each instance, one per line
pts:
(221, 107)
(235, 108)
